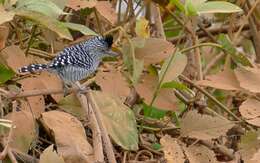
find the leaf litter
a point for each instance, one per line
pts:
(53, 128)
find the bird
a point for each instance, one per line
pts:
(76, 62)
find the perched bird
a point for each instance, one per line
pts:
(78, 61)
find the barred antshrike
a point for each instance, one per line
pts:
(78, 61)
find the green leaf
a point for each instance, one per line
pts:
(5, 74)
(173, 67)
(190, 8)
(177, 3)
(118, 119)
(156, 146)
(218, 7)
(46, 21)
(45, 7)
(153, 112)
(230, 48)
(175, 84)
(81, 28)
(50, 155)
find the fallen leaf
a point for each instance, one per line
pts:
(49, 156)
(4, 31)
(71, 105)
(172, 150)
(81, 4)
(69, 135)
(51, 81)
(119, 87)
(249, 79)
(173, 67)
(199, 153)
(14, 57)
(35, 104)
(119, 120)
(225, 80)
(24, 132)
(249, 109)
(249, 145)
(154, 50)
(106, 10)
(165, 100)
(5, 16)
(205, 128)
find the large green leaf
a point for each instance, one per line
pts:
(217, 7)
(119, 120)
(230, 48)
(81, 28)
(5, 74)
(46, 7)
(173, 67)
(46, 21)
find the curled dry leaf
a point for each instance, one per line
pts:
(119, 120)
(4, 31)
(225, 80)
(199, 153)
(142, 28)
(24, 132)
(165, 100)
(106, 10)
(81, 4)
(49, 155)
(205, 128)
(5, 16)
(154, 50)
(113, 83)
(69, 135)
(250, 111)
(172, 150)
(249, 79)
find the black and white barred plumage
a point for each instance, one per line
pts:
(78, 61)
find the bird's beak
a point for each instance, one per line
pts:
(112, 53)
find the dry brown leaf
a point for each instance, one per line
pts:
(200, 154)
(165, 100)
(249, 79)
(52, 81)
(225, 80)
(4, 31)
(256, 157)
(69, 135)
(250, 111)
(106, 10)
(49, 155)
(172, 150)
(205, 128)
(35, 104)
(14, 57)
(24, 132)
(154, 51)
(81, 4)
(113, 83)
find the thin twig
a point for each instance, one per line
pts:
(104, 133)
(97, 141)
(212, 98)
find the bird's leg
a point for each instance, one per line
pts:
(81, 88)
(66, 88)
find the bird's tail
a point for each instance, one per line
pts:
(32, 68)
